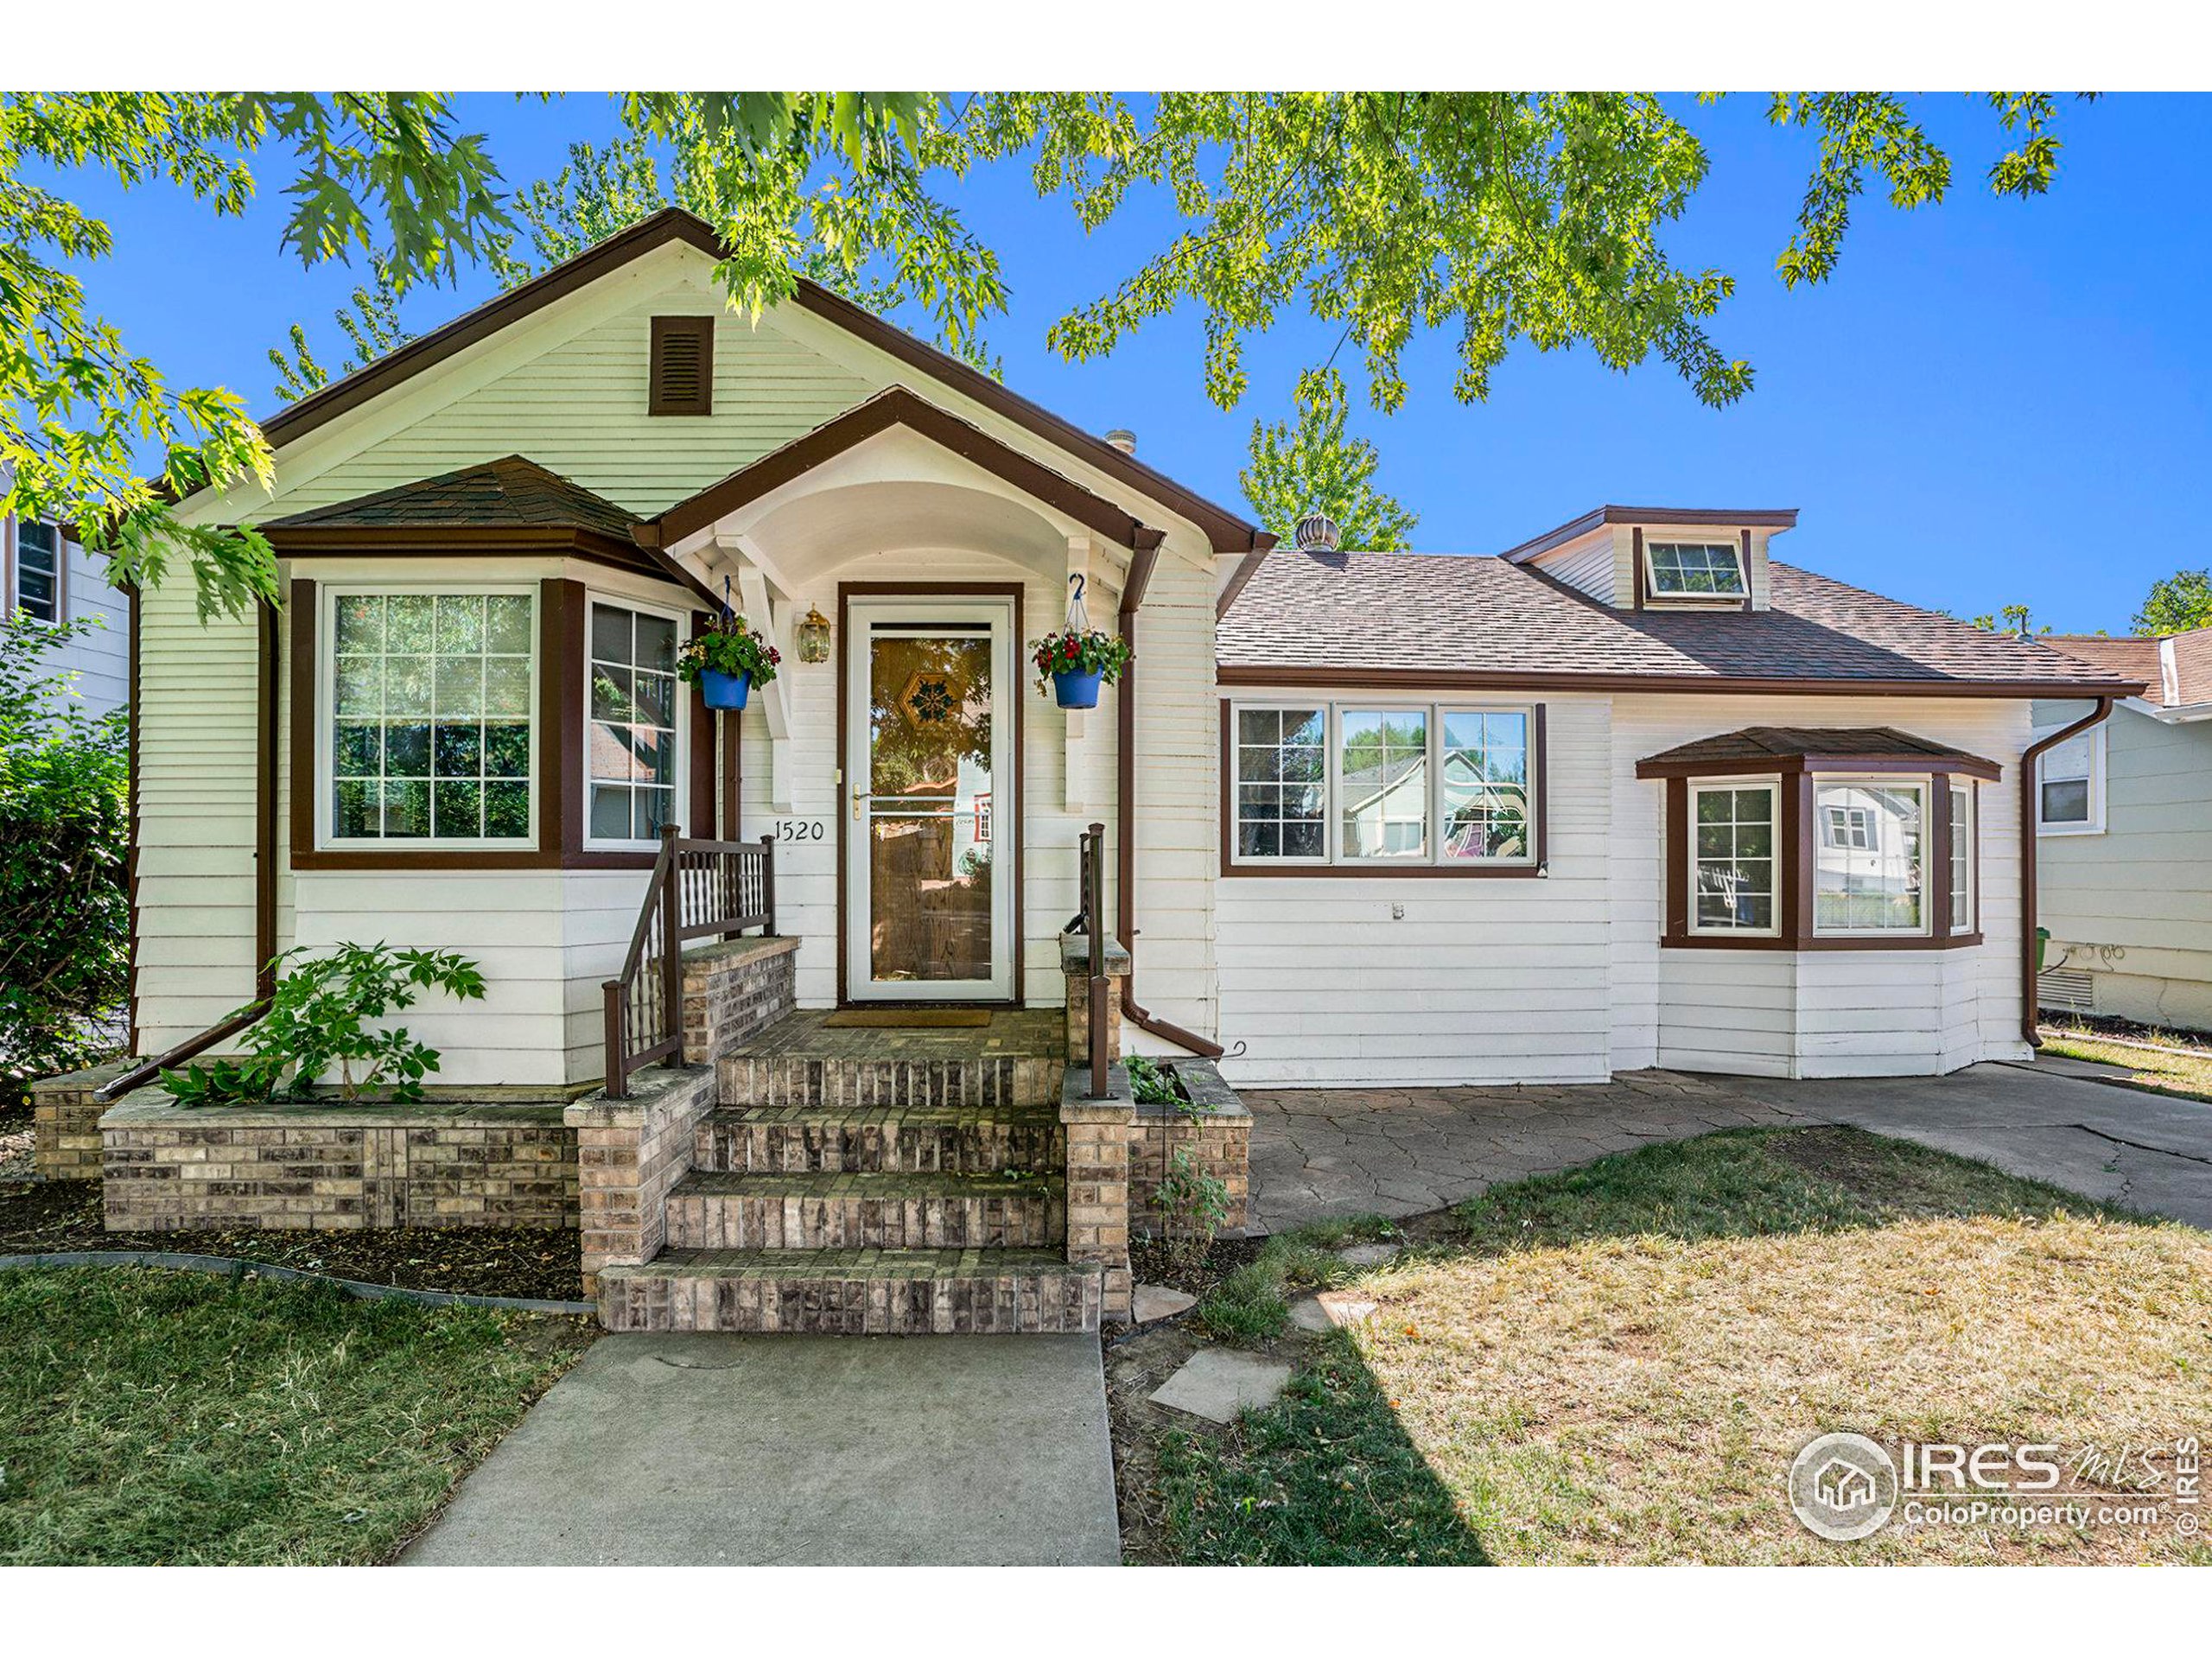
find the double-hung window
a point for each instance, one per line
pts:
(1695, 569)
(1733, 868)
(1963, 830)
(1874, 880)
(430, 696)
(2070, 786)
(38, 570)
(1381, 787)
(631, 739)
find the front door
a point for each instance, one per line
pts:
(929, 765)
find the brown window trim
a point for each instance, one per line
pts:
(1796, 778)
(1473, 869)
(563, 690)
(701, 329)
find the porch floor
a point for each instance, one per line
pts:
(1014, 1034)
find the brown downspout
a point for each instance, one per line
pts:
(265, 872)
(1125, 884)
(2028, 861)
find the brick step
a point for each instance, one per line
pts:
(899, 1210)
(853, 1293)
(829, 1139)
(1016, 1060)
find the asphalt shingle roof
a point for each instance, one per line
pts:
(510, 492)
(1459, 613)
(1755, 744)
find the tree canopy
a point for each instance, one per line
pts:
(2182, 601)
(1310, 465)
(1504, 218)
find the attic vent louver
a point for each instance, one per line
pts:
(1316, 533)
(682, 372)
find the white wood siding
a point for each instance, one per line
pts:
(1591, 568)
(1483, 980)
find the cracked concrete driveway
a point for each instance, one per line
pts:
(1400, 1151)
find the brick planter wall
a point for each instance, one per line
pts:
(66, 1123)
(1222, 1141)
(630, 1153)
(169, 1167)
(1098, 1137)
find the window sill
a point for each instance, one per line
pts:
(1473, 870)
(464, 858)
(1818, 942)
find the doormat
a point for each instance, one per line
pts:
(893, 1019)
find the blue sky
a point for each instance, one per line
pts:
(1993, 401)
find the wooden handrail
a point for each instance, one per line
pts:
(698, 890)
(1089, 921)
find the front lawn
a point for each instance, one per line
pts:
(1617, 1364)
(2169, 1062)
(156, 1417)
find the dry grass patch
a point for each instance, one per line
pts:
(1593, 1390)
(2177, 1065)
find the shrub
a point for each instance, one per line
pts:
(63, 845)
(1192, 1205)
(321, 1015)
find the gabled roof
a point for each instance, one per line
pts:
(897, 406)
(1225, 531)
(1446, 620)
(1811, 749)
(2173, 670)
(510, 492)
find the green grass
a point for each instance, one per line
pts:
(1615, 1363)
(2184, 1068)
(1252, 1304)
(174, 1418)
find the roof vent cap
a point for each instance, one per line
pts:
(1316, 533)
(1123, 440)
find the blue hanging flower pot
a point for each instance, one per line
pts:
(729, 690)
(1077, 687)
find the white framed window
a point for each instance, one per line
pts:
(1381, 775)
(1381, 785)
(428, 737)
(1280, 790)
(1847, 826)
(39, 572)
(2070, 786)
(632, 739)
(1876, 886)
(1963, 830)
(1694, 569)
(1734, 886)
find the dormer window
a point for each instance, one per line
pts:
(1694, 570)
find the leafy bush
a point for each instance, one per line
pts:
(64, 847)
(1193, 1205)
(1150, 1083)
(321, 1015)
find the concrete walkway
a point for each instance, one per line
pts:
(1317, 1153)
(755, 1451)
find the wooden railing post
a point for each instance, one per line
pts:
(672, 940)
(618, 1071)
(768, 884)
(1094, 903)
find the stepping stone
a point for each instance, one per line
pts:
(1367, 1256)
(1150, 1302)
(1331, 1310)
(1216, 1384)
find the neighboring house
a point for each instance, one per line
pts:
(2124, 871)
(1633, 794)
(50, 578)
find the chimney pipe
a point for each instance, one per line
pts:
(1123, 440)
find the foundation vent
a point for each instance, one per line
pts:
(2066, 990)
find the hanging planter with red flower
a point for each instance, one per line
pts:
(1073, 665)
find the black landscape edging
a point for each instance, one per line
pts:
(231, 1266)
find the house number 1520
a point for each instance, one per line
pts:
(800, 830)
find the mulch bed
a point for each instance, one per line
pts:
(1149, 1260)
(43, 1215)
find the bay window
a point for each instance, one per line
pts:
(1792, 838)
(1375, 788)
(428, 737)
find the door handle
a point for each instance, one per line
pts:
(860, 806)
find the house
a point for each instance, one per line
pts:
(47, 576)
(2124, 838)
(1636, 794)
